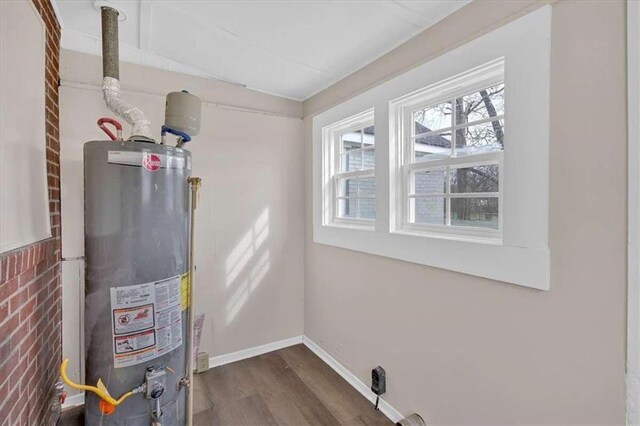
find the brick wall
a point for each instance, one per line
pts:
(30, 303)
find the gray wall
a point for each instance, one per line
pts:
(466, 350)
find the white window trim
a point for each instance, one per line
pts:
(331, 159)
(523, 255)
(400, 112)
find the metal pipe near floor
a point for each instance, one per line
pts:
(413, 419)
(194, 183)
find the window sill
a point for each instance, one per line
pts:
(528, 267)
(368, 225)
(453, 236)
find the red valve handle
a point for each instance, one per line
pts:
(115, 123)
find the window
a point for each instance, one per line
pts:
(461, 160)
(350, 146)
(451, 142)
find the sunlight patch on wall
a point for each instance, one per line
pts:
(246, 267)
(247, 247)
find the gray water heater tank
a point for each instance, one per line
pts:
(183, 112)
(136, 247)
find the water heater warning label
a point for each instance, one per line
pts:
(147, 321)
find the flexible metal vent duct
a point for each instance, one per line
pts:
(111, 82)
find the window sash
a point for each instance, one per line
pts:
(335, 156)
(340, 155)
(408, 164)
(448, 164)
(409, 145)
(337, 177)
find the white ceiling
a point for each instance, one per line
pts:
(289, 48)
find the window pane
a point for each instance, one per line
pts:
(367, 186)
(368, 136)
(479, 212)
(433, 146)
(368, 158)
(475, 179)
(347, 207)
(432, 118)
(351, 141)
(352, 161)
(480, 105)
(366, 208)
(347, 187)
(431, 182)
(480, 138)
(430, 211)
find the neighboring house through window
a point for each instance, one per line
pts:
(351, 148)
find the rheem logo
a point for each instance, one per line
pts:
(151, 162)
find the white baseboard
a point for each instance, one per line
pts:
(216, 361)
(386, 408)
(73, 401)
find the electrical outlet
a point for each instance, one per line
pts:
(202, 362)
(378, 380)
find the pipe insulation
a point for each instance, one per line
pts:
(131, 114)
(111, 72)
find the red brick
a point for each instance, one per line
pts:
(27, 276)
(8, 364)
(18, 262)
(4, 266)
(24, 415)
(8, 289)
(27, 310)
(8, 327)
(19, 334)
(27, 343)
(18, 372)
(11, 267)
(5, 351)
(34, 287)
(18, 300)
(4, 311)
(42, 266)
(8, 403)
(36, 316)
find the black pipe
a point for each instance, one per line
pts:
(110, 54)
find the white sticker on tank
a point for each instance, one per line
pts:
(169, 315)
(146, 321)
(140, 158)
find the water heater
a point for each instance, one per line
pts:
(137, 205)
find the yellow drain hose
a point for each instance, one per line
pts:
(99, 390)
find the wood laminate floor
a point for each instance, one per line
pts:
(291, 386)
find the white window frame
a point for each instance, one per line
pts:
(332, 164)
(401, 110)
(521, 256)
